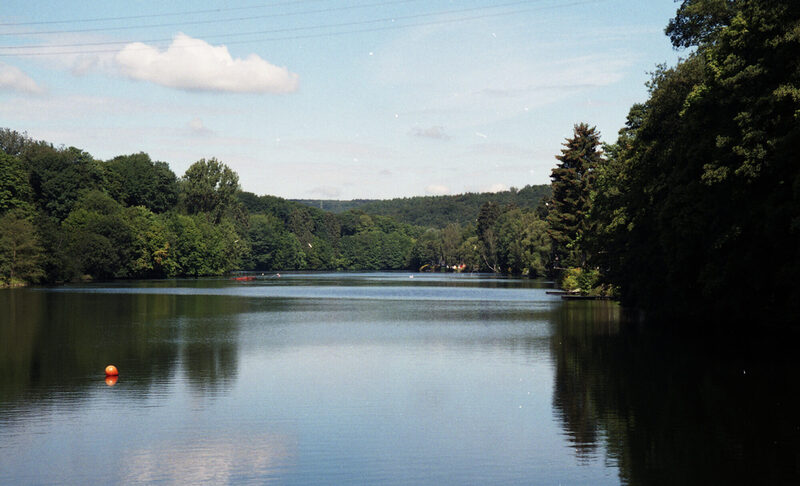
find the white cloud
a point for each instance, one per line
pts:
(13, 79)
(195, 65)
(437, 190)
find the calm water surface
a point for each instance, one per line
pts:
(377, 379)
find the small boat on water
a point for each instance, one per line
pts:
(243, 279)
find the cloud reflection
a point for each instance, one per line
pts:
(219, 460)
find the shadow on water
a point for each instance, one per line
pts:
(54, 346)
(677, 409)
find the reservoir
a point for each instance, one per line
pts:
(378, 378)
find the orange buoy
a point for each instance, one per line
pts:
(111, 380)
(111, 370)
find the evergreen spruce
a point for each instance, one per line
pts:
(571, 183)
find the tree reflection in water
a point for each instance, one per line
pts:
(52, 343)
(674, 408)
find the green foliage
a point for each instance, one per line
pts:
(210, 187)
(272, 246)
(375, 250)
(58, 266)
(279, 207)
(302, 225)
(524, 245)
(321, 255)
(20, 252)
(452, 237)
(98, 236)
(150, 253)
(437, 211)
(570, 203)
(15, 188)
(427, 250)
(130, 218)
(699, 21)
(135, 180)
(202, 248)
(12, 142)
(583, 280)
(469, 253)
(703, 189)
(487, 234)
(334, 206)
(569, 279)
(59, 176)
(290, 253)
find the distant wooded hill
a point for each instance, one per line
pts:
(436, 211)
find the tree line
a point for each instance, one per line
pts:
(694, 211)
(65, 215)
(438, 211)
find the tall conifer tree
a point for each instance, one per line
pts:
(571, 183)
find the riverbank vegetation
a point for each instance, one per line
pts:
(68, 216)
(699, 193)
(696, 212)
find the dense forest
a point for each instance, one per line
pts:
(438, 211)
(696, 211)
(693, 213)
(65, 215)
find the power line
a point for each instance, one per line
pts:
(273, 31)
(149, 16)
(212, 21)
(309, 36)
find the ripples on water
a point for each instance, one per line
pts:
(365, 379)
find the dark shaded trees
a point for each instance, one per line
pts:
(135, 180)
(437, 211)
(708, 174)
(15, 188)
(58, 176)
(272, 247)
(98, 236)
(20, 253)
(569, 205)
(487, 234)
(699, 21)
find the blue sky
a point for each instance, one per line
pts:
(326, 99)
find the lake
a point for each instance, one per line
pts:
(378, 378)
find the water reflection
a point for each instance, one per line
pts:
(245, 458)
(471, 384)
(57, 344)
(673, 409)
